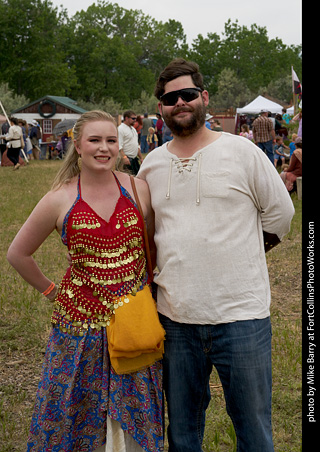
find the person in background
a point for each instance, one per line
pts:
(278, 151)
(264, 134)
(15, 142)
(298, 118)
(219, 205)
(138, 126)
(285, 116)
(246, 132)
(208, 123)
(292, 145)
(83, 402)
(166, 134)
(146, 124)
(158, 128)
(35, 135)
(290, 174)
(216, 126)
(152, 139)
(24, 127)
(128, 142)
(3, 143)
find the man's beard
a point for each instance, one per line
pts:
(185, 126)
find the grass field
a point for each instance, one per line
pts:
(25, 324)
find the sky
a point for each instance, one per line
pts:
(281, 18)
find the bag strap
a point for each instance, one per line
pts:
(146, 241)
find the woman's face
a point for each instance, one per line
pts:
(98, 145)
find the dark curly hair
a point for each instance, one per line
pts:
(177, 68)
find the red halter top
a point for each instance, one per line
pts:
(108, 262)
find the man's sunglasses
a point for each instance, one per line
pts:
(186, 94)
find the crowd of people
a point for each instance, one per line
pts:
(270, 134)
(20, 142)
(140, 135)
(197, 219)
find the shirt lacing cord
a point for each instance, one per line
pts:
(185, 164)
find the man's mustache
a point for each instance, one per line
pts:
(181, 110)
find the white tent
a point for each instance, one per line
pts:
(262, 103)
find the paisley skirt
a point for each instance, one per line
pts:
(79, 390)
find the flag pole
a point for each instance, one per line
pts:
(4, 112)
(293, 93)
(6, 116)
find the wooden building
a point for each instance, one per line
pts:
(48, 112)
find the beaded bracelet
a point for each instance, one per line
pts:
(49, 289)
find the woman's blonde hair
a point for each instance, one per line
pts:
(70, 167)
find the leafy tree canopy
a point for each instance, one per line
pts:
(112, 54)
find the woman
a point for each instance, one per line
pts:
(15, 142)
(294, 170)
(82, 403)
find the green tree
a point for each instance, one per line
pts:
(109, 105)
(146, 104)
(232, 92)
(103, 57)
(253, 57)
(32, 59)
(118, 52)
(281, 89)
(10, 100)
(205, 51)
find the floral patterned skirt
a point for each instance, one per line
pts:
(79, 389)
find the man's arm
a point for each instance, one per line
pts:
(272, 200)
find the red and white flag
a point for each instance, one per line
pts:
(296, 85)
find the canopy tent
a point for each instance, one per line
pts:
(262, 103)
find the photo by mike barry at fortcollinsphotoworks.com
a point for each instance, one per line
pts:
(309, 383)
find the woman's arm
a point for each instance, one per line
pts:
(33, 233)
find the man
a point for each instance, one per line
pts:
(215, 196)
(263, 133)
(128, 142)
(146, 124)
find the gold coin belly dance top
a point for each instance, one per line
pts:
(108, 262)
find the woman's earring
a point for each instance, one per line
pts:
(79, 162)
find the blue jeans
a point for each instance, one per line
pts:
(241, 353)
(267, 147)
(143, 144)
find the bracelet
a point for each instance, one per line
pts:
(49, 289)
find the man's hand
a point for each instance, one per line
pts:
(270, 241)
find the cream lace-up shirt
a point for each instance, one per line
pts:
(210, 212)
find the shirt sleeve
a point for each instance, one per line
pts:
(271, 197)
